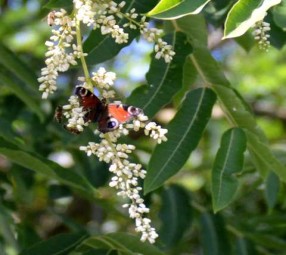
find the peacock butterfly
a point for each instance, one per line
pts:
(108, 116)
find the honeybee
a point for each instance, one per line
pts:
(59, 114)
(59, 118)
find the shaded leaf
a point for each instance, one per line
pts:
(214, 237)
(57, 245)
(175, 9)
(244, 14)
(40, 165)
(271, 189)
(269, 241)
(22, 94)
(53, 4)
(264, 159)
(175, 200)
(18, 67)
(244, 247)
(191, 120)
(209, 237)
(246, 41)
(279, 16)
(121, 242)
(229, 160)
(164, 79)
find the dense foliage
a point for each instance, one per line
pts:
(216, 186)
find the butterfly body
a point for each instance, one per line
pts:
(108, 116)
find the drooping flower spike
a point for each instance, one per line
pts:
(113, 119)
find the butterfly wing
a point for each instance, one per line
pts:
(115, 115)
(90, 103)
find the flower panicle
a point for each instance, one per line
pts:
(79, 112)
(62, 51)
(99, 15)
(261, 34)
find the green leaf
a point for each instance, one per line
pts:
(175, 200)
(269, 241)
(214, 237)
(22, 94)
(235, 108)
(18, 67)
(279, 16)
(103, 47)
(8, 133)
(195, 27)
(175, 9)
(209, 236)
(244, 14)
(7, 231)
(121, 242)
(53, 4)
(229, 160)
(43, 166)
(246, 41)
(164, 79)
(192, 118)
(244, 247)
(271, 189)
(263, 157)
(57, 245)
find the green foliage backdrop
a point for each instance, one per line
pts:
(215, 187)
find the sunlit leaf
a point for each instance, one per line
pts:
(175, 9)
(120, 242)
(57, 245)
(191, 120)
(175, 200)
(229, 160)
(235, 108)
(244, 14)
(164, 79)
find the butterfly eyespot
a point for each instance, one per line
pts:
(134, 111)
(83, 92)
(112, 123)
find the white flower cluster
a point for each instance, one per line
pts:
(162, 48)
(104, 81)
(125, 179)
(261, 34)
(102, 14)
(156, 132)
(61, 51)
(75, 115)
